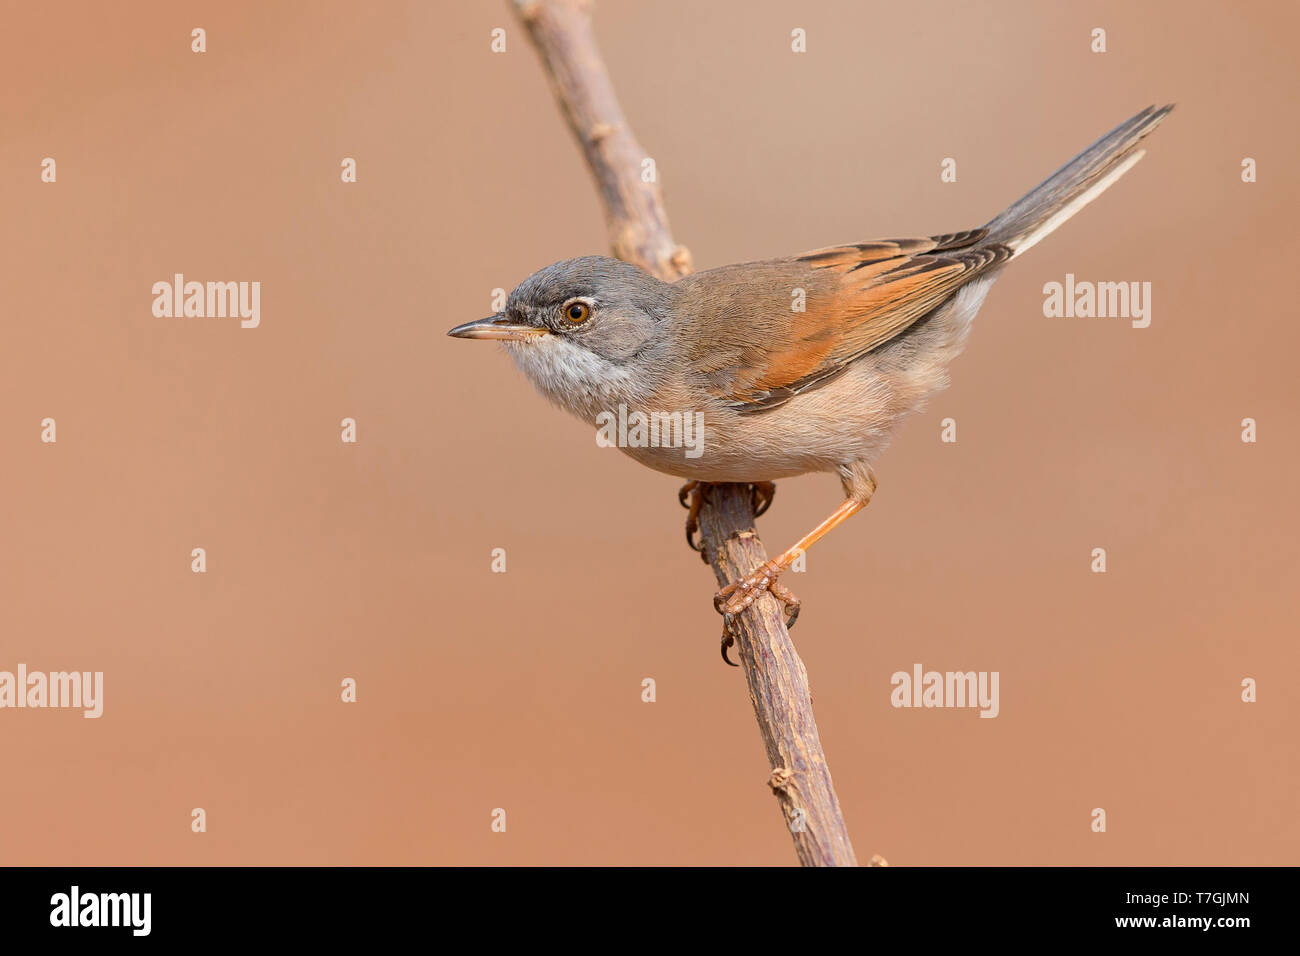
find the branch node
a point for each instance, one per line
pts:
(600, 131)
(780, 780)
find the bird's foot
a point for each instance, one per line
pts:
(691, 495)
(738, 595)
(735, 597)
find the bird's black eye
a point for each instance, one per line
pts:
(577, 312)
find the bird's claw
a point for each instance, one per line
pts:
(738, 595)
(685, 491)
(691, 495)
(728, 640)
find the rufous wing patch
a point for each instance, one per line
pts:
(883, 288)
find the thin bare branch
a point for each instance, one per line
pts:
(634, 209)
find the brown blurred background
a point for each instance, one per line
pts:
(522, 690)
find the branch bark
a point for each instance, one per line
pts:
(634, 210)
(638, 232)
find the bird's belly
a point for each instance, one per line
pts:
(720, 466)
(781, 443)
(850, 419)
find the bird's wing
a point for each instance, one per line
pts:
(859, 297)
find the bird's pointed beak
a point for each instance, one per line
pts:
(495, 327)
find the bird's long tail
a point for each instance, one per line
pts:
(1074, 185)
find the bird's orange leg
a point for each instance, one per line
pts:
(859, 486)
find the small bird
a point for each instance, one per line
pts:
(794, 365)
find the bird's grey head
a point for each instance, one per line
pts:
(577, 328)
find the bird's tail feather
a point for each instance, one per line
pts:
(1023, 224)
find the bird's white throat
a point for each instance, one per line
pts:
(575, 378)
